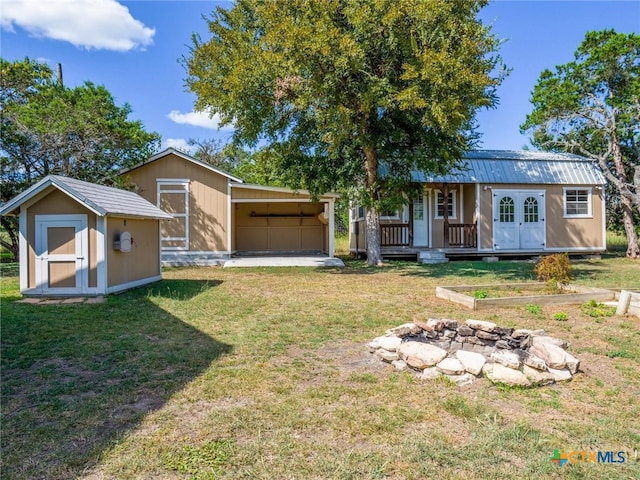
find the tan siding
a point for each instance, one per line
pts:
(438, 223)
(238, 193)
(208, 199)
(143, 261)
(469, 203)
(54, 202)
(573, 232)
(485, 222)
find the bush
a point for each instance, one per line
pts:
(554, 269)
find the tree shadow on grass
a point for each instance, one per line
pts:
(77, 378)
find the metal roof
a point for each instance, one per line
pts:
(505, 166)
(102, 200)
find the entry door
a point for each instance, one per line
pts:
(518, 220)
(420, 221)
(61, 254)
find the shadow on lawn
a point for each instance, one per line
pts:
(77, 378)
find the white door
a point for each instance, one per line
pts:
(532, 221)
(420, 221)
(518, 220)
(61, 254)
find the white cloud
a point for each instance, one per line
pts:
(200, 119)
(177, 143)
(99, 24)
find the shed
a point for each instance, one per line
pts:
(79, 238)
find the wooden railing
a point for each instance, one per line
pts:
(394, 235)
(463, 235)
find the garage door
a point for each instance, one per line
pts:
(279, 227)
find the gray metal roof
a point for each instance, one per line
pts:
(104, 201)
(505, 166)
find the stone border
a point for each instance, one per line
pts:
(584, 294)
(464, 352)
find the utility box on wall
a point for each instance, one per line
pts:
(124, 243)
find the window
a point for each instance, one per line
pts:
(390, 215)
(507, 210)
(531, 213)
(440, 205)
(173, 198)
(577, 202)
(418, 207)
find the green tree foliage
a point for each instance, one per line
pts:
(47, 128)
(591, 106)
(330, 88)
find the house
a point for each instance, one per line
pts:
(216, 215)
(497, 203)
(78, 238)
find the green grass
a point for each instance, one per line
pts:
(264, 373)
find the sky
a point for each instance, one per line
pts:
(134, 48)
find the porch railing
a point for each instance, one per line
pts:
(394, 235)
(463, 235)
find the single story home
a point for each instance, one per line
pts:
(78, 238)
(497, 203)
(216, 215)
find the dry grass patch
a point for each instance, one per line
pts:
(264, 373)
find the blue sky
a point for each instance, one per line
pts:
(133, 49)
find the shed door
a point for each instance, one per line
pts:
(518, 220)
(62, 259)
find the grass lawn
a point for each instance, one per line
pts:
(264, 374)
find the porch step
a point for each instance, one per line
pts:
(432, 256)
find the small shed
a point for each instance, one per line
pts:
(79, 238)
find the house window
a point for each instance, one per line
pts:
(357, 213)
(390, 215)
(577, 202)
(531, 213)
(173, 198)
(451, 210)
(418, 207)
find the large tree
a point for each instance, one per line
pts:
(332, 88)
(47, 128)
(591, 106)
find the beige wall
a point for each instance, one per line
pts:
(54, 202)
(561, 233)
(143, 261)
(278, 226)
(208, 198)
(237, 193)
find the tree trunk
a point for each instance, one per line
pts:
(374, 256)
(633, 249)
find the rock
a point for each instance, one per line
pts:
(500, 374)
(421, 355)
(390, 344)
(455, 346)
(399, 365)
(404, 330)
(502, 344)
(450, 366)
(386, 355)
(537, 339)
(430, 373)
(465, 331)
(450, 324)
(572, 363)
(449, 333)
(537, 377)
(422, 324)
(533, 361)
(374, 344)
(436, 324)
(560, 375)
(477, 341)
(431, 334)
(506, 358)
(554, 356)
(487, 335)
(520, 333)
(480, 325)
(472, 362)
(503, 331)
(462, 380)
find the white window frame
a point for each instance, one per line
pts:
(396, 216)
(453, 203)
(185, 184)
(589, 213)
(355, 211)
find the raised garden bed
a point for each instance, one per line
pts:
(519, 294)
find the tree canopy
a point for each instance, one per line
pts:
(591, 106)
(47, 128)
(330, 88)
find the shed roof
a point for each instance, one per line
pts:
(189, 158)
(507, 166)
(102, 200)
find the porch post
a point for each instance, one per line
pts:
(411, 222)
(331, 227)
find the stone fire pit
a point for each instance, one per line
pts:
(476, 348)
